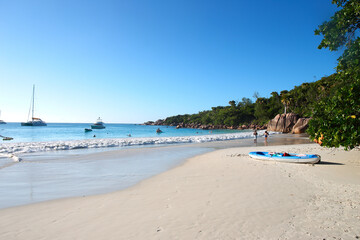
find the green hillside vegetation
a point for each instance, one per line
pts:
(300, 100)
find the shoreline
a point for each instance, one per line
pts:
(218, 195)
(84, 172)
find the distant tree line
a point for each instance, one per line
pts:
(300, 100)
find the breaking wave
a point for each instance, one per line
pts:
(30, 147)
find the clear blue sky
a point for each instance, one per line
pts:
(138, 60)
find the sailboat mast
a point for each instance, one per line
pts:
(32, 116)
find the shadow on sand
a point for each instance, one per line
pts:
(329, 163)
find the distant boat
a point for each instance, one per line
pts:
(35, 122)
(158, 130)
(98, 125)
(88, 130)
(6, 138)
(1, 121)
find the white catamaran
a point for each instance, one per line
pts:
(34, 121)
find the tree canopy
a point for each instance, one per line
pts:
(336, 118)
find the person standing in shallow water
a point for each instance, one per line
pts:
(266, 134)
(255, 136)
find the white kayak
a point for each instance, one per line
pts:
(286, 157)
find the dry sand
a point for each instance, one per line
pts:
(219, 195)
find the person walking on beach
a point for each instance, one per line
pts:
(255, 136)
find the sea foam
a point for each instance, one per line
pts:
(31, 147)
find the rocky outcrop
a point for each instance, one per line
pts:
(149, 123)
(158, 122)
(283, 123)
(214, 127)
(301, 125)
(288, 123)
(206, 127)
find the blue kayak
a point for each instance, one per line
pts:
(286, 157)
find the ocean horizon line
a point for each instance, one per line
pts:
(77, 122)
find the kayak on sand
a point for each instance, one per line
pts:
(286, 157)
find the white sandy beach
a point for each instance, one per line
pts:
(219, 195)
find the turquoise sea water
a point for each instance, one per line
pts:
(48, 176)
(57, 161)
(75, 131)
